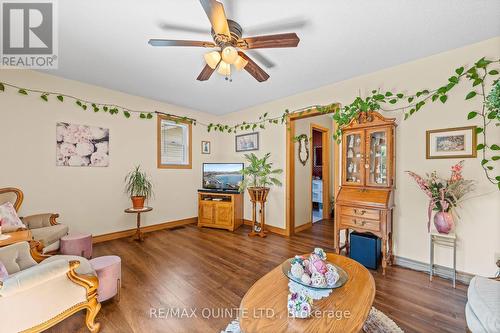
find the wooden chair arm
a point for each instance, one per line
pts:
(42, 220)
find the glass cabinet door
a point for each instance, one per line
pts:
(353, 172)
(378, 160)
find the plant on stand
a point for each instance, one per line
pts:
(139, 187)
(258, 176)
(444, 195)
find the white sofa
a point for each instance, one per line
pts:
(483, 305)
(36, 296)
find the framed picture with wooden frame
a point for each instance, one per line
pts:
(457, 142)
(247, 142)
(205, 147)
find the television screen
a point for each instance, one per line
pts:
(222, 176)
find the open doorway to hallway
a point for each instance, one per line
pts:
(311, 155)
(318, 166)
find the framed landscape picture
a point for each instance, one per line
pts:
(458, 142)
(247, 142)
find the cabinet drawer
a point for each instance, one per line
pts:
(358, 222)
(360, 212)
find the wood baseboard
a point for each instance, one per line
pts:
(148, 228)
(270, 228)
(303, 227)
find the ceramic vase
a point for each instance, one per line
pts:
(443, 221)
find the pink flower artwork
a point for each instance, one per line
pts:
(81, 145)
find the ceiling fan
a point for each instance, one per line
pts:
(227, 38)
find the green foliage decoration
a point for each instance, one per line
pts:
(477, 76)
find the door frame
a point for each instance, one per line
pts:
(325, 171)
(290, 163)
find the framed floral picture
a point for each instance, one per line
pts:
(458, 142)
(205, 147)
(247, 142)
(81, 145)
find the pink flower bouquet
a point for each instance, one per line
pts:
(444, 194)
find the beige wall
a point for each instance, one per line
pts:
(478, 228)
(91, 199)
(303, 173)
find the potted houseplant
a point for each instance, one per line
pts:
(138, 186)
(258, 176)
(444, 195)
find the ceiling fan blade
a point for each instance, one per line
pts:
(261, 58)
(173, 42)
(205, 73)
(254, 69)
(181, 27)
(270, 41)
(217, 16)
(292, 23)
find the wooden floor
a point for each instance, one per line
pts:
(209, 271)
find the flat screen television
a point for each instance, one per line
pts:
(222, 176)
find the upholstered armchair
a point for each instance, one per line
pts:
(44, 227)
(35, 296)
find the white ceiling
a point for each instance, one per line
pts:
(105, 43)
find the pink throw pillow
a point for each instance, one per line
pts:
(10, 220)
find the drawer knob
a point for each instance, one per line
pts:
(361, 223)
(359, 212)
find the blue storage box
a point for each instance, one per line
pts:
(365, 249)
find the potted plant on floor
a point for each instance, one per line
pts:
(138, 186)
(258, 176)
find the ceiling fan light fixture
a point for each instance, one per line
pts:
(212, 59)
(240, 63)
(224, 68)
(230, 54)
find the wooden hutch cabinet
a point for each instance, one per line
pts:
(365, 200)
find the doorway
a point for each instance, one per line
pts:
(320, 173)
(299, 210)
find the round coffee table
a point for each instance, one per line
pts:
(264, 306)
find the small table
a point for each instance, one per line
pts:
(138, 234)
(16, 237)
(264, 306)
(447, 240)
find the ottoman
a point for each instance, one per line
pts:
(77, 245)
(109, 273)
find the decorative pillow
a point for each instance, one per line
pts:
(10, 220)
(3, 272)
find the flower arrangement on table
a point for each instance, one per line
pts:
(313, 270)
(444, 195)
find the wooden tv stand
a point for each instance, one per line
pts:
(220, 210)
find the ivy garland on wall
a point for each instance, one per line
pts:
(476, 75)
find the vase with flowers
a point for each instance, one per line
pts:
(444, 195)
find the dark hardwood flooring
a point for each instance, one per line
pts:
(209, 271)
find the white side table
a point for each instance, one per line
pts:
(447, 240)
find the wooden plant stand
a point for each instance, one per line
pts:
(139, 236)
(258, 195)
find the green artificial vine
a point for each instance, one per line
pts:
(476, 75)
